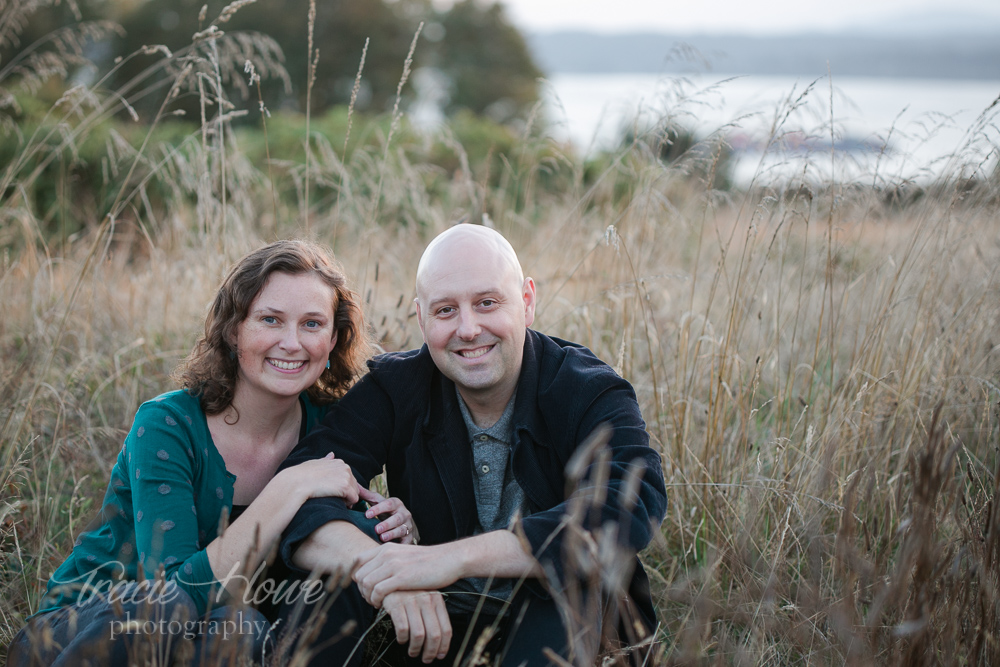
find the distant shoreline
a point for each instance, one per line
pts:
(968, 56)
(920, 120)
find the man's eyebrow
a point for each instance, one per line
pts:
(493, 292)
(438, 301)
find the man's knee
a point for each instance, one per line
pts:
(329, 629)
(535, 625)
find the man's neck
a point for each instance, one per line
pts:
(486, 409)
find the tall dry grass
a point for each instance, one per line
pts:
(817, 361)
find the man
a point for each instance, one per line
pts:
(475, 431)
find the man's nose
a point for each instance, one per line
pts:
(468, 325)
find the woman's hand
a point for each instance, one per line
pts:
(399, 525)
(328, 476)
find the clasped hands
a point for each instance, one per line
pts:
(405, 580)
(332, 477)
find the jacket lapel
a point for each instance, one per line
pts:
(531, 436)
(447, 442)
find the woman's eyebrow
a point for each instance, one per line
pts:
(278, 311)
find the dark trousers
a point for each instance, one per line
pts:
(339, 630)
(142, 625)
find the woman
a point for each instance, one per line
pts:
(284, 337)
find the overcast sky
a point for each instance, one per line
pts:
(741, 16)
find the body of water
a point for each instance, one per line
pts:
(899, 129)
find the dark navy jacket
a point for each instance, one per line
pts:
(404, 415)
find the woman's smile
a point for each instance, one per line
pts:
(287, 365)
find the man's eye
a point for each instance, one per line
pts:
(488, 303)
(447, 310)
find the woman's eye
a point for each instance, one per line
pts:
(313, 324)
(269, 319)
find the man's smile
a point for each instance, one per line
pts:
(475, 353)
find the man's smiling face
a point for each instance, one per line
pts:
(473, 307)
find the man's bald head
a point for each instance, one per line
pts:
(474, 307)
(487, 245)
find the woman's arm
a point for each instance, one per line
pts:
(178, 490)
(236, 553)
(176, 493)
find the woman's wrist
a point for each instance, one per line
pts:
(285, 489)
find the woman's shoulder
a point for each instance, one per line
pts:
(178, 398)
(174, 418)
(172, 405)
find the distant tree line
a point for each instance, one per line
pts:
(479, 60)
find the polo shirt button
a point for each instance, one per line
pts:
(485, 468)
(482, 438)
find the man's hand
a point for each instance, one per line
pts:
(421, 619)
(400, 567)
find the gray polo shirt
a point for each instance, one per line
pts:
(498, 498)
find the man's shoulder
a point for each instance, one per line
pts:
(561, 360)
(570, 377)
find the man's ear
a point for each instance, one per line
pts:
(528, 294)
(420, 318)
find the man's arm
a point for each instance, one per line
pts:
(358, 430)
(399, 567)
(631, 496)
(323, 536)
(334, 547)
(498, 553)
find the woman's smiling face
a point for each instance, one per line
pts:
(286, 339)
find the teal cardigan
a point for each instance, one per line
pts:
(162, 507)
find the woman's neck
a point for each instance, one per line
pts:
(263, 420)
(255, 444)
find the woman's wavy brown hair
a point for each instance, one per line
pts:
(210, 371)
